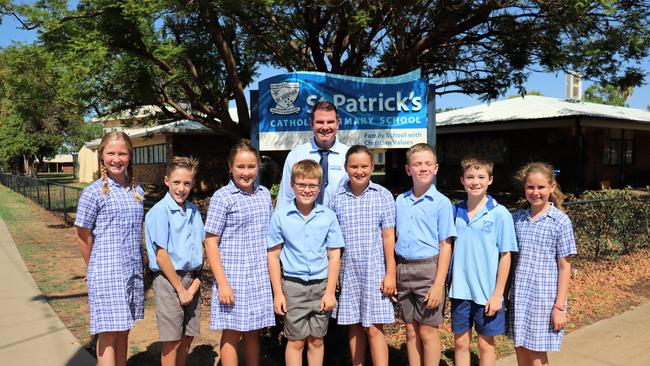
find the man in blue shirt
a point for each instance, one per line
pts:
(425, 228)
(324, 149)
(304, 248)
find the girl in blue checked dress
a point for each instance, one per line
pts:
(366, 213)
(540, 285)
(109, 231)
(236, 228)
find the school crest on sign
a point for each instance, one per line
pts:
(284, 94)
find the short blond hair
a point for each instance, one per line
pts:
(306, 169)
(476, 163)
(419, 148)
(182, 162)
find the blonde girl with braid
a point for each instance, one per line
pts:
(540, 284)
(109, 231)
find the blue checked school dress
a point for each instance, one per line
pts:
(534, 285)
(115, 270)
(363, 265)
(241, 221)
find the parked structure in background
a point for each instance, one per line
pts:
(154, 144)
(60, 163)
(591, 145)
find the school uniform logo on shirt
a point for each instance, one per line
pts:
(487, 226)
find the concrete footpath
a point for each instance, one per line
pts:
(621, 340)
(30, 331)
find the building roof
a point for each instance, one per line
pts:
(60, 158)
(177, 127)
(533, 107)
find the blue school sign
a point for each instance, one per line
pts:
(377, 112)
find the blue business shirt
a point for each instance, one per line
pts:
(476, 250)
(336, 170)
(305, 240)
(422, 223)
(179, 232)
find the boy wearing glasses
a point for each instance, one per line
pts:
(304, 248)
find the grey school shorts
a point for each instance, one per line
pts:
(304, 317)
(414, 279)
(174, 320)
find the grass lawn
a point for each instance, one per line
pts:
(48, 246)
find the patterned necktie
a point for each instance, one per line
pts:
(324, 165)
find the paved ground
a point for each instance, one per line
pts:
(621, 340)
(30, 331)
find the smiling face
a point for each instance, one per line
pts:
(476, 181)
(115, 158)
(324, 125)
(537, 189)
(306, 190)
(244, 170)
(422, 167)
(359, 168)
(180, 182)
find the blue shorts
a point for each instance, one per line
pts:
(465, 313)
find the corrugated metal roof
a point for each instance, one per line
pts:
(184, 126)
(533, 107)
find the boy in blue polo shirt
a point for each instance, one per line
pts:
(174, 235)
(425, 229)
(481, 262)
(304, 249)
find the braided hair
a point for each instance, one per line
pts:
(115, 136)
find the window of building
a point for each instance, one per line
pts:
(152, 154)
(618, 148)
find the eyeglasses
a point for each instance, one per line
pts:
(303, 186)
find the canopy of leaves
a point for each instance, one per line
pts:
(192, 57)
(38, 116)
(606, 94)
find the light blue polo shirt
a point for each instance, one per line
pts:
(305, 240)
(179, 232)
(336, 169)
(476, 250)
(422, 223)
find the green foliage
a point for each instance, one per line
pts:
(38, 113)
(191, 58)
(610, 223)
(606, 94)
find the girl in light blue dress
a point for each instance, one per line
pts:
(540, 284)
(366, 213)
(109, 230)
(236, 228)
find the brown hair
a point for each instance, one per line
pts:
(357, 149)
(419, 148)
(242, 145)
(556, 196)
(325, 106)
(306, 169)
(182, 162)
(116, 136)
(476, 163)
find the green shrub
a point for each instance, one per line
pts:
(610, 223)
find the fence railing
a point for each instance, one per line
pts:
(603, 226)
(55, 197)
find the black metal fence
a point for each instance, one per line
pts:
(606, 223)
(58, 198)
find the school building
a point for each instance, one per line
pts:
(154, 145)
(591, 146)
